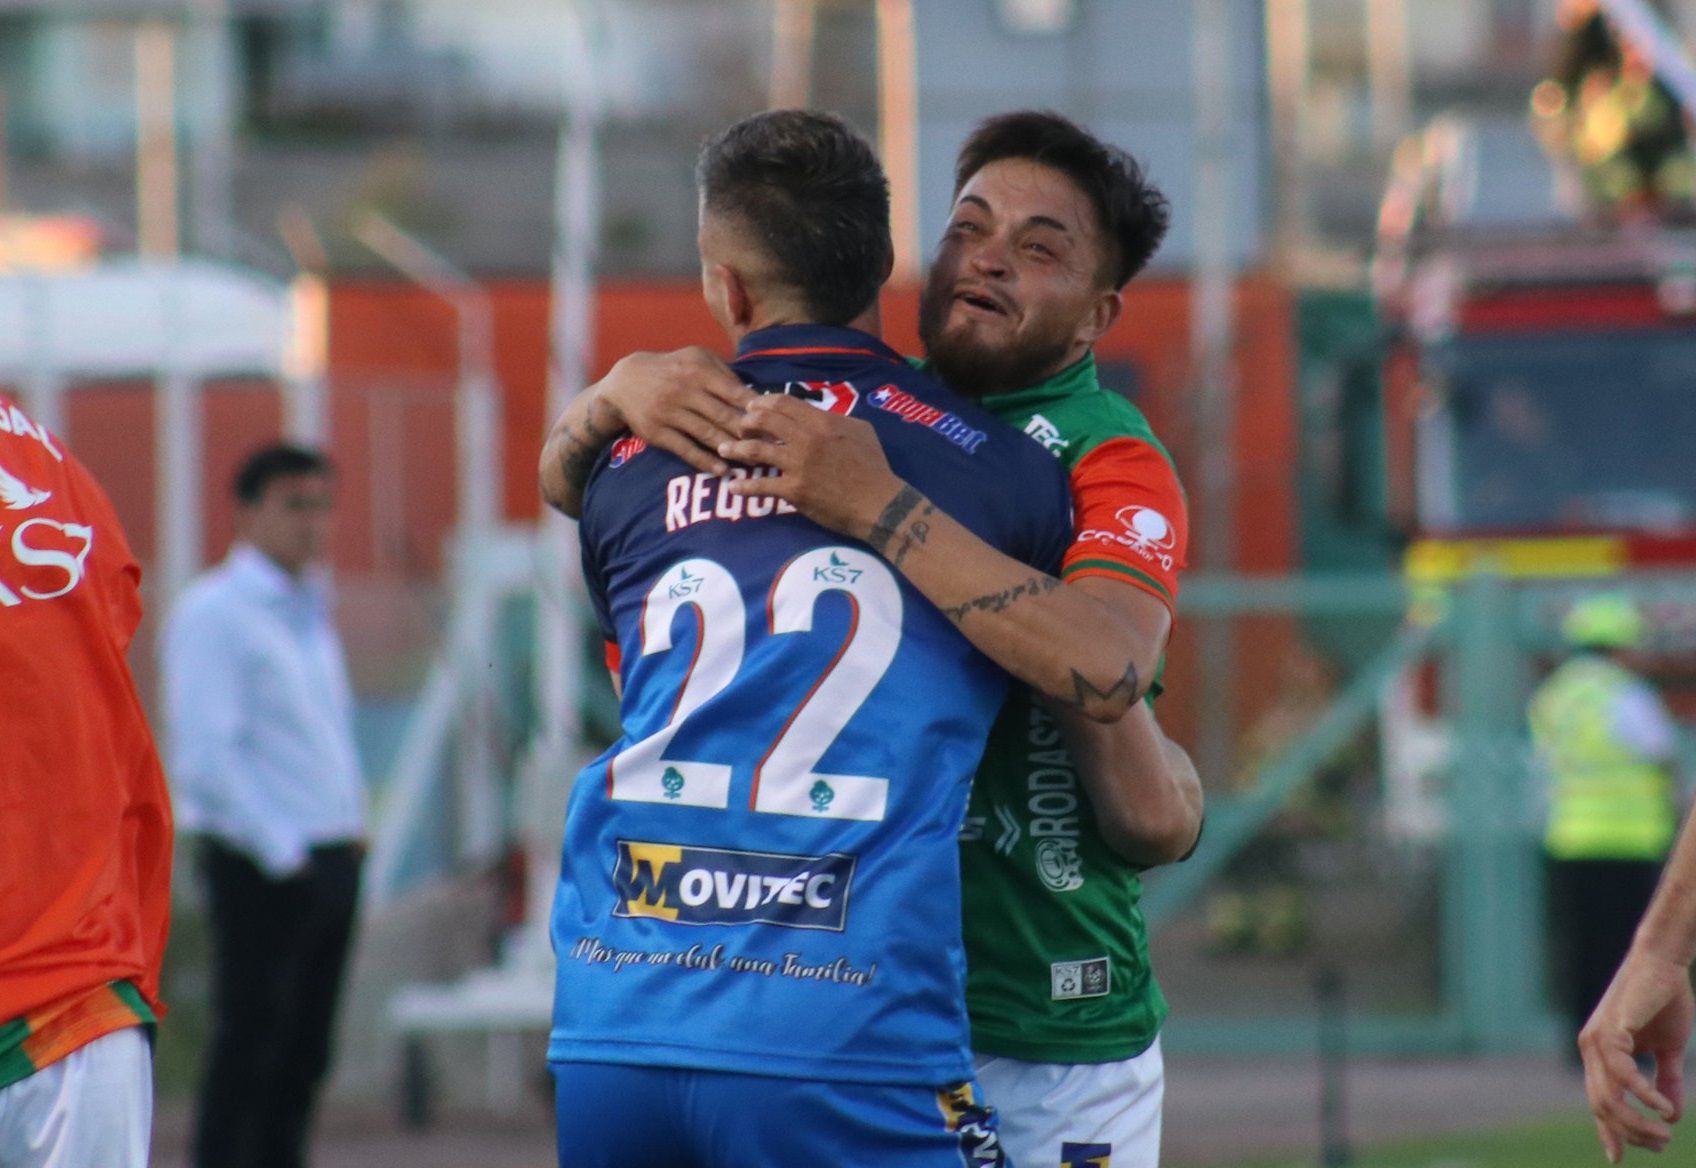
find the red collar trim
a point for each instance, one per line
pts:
(816, 351)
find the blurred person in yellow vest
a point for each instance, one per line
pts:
(1606, 744)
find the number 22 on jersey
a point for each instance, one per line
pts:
(786, 780)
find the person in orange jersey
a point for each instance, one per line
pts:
(85, 822)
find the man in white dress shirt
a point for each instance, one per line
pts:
(259, 718)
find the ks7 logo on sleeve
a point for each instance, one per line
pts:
(716, 886)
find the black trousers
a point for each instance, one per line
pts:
(279, 950)
(1594, 907)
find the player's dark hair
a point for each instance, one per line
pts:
(280, 460)
(1131, 211)
(811, 194)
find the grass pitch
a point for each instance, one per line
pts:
(1564, 1142)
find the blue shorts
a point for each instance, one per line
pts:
(616, 1116)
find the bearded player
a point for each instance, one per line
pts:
(1048, 226)
(758, 919)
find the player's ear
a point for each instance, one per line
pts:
(738, 303)
(715, 290)
(1109, 305)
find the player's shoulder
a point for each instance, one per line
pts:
(1086, 422)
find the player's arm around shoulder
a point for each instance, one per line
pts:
(1070, 645)
(685, 401)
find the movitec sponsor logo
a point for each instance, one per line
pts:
(718, 886)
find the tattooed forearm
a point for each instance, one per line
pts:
(1001, 601)
(918, 532)
(578, 460)
(583, 445)
(901, 506)
(1085, 694)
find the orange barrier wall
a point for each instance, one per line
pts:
(393, 360)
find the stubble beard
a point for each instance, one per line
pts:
(974, 369)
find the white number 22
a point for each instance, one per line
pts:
(786, 780)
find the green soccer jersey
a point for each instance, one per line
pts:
(1056, 947)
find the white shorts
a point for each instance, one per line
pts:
(92, 1107)
(1078, 1115)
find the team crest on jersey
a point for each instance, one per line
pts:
(1073, 1155)
(625, 449)
(716, 886)
(1058, 865)
(17, 495)
(833, 397)
(910, 409)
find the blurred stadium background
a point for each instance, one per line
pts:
(1424, 383)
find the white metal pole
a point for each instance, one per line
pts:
(1390, 71)
(794, 23)
(1211, 343)
(555, 750)
(306, 364)
(156, 140)
(1211, 323)
(178, 505)
(898, 130)
(576, 229)
(212, 154)
(44, 381)
(1288, 50)
(478, 419)
(44, 392)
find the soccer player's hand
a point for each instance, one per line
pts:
(832, 468)
(1647, 1010)
(686, 402)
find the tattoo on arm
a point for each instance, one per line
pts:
(1084, 691)
(918, 532)
(901, 506)
(583, 445)
(1001, 601)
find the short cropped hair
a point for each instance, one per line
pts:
(1132, 213)
(278, 461)
(811, 194)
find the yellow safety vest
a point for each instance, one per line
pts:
(1606, 803)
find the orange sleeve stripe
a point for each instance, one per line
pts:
(1078, 569)
(1130, 517)
(1124, 576)
(613, 656)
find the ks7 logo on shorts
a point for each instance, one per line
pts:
(716, 886)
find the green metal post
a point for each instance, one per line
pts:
(1492, 907)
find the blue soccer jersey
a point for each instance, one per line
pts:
(762, 875)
